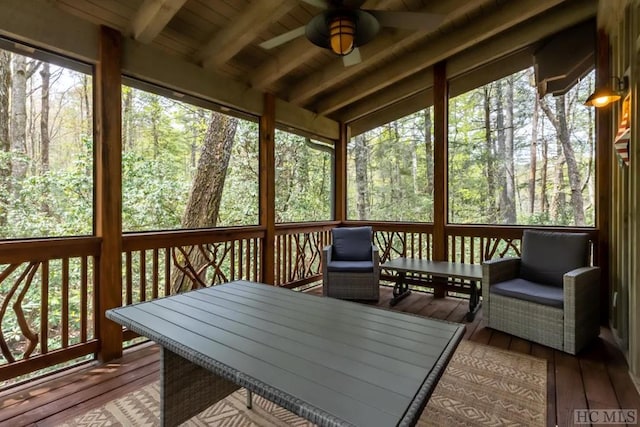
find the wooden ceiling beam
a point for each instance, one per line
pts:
(389, 96)
(504, 17)
(493, 49)
(152, 17)
(299, 51)
(242, 30)
(381, 48)
(487, 73)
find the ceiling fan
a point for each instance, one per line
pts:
(342, 27)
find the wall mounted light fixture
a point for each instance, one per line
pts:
(604, 95)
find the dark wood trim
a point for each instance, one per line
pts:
(305, 227)
(440, 130)
(128, 335)
(603, 176)
(510, 231)
(167, 239)
(13, 252)
(267, 188)
(409, 227)
(25, 366)
(340, 175)
(108, 206)
(302, 282)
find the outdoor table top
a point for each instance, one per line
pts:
(333, 362)
(435, 268)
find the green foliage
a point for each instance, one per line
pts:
(55, 203)
(303, 179)
(400, 184)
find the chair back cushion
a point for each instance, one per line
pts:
(547, 256)
(352, 243)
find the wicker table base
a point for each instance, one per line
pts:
(187, 389)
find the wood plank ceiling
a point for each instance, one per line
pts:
(223, 36)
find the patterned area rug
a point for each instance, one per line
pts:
(482, 386)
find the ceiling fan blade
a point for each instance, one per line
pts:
(322, 4)
(408, 20)
(282, 38)
(353, 58)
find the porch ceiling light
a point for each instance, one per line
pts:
(604, 95)
(342, 30)
(342, 33)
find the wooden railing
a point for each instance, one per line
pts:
(160, 263)
(474, 244)
(48, 288)
(47, 292)
(298, 252)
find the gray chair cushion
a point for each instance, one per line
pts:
(530, 291)
(352, 243)
(350, 266)
(547, 256)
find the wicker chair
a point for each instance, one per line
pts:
(549, 296)
(351, 265)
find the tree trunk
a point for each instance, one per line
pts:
(489, 164)
(559, 121)
(88, 118)
(45, 74)
(127, 120)
(544, 200)
(5, 143)
(22, 72)
(361, 160)
(558, 198)
(428, 146)
(501, 155)
(533, 154)
(203, 205)
(155, 125)
(19, 118)
(510, 180)
(414, 165)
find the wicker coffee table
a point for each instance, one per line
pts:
(333, 362)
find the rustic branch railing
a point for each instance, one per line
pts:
(160, 263)
(477, 243)
(299, 252)
(47, 297)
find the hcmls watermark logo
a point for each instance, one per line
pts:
(605, 416)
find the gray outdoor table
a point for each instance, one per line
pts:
(333, 362)
(455, 270)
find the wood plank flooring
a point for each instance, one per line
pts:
(596, 379)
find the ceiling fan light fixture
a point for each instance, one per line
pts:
(342, 31)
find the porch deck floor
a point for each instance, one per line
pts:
(596, 379)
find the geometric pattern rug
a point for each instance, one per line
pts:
(482, 386)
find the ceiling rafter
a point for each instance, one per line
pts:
(501, 19)
(378, 50)
(242, 31)
(299, 51)
(497, 47)
(152, 17)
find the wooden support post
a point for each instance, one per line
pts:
(440, 158)
(604, 147)
(108, 217)
(340, 174)
(268, 188)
